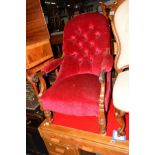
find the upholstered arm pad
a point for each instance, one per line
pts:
(52, 65)
(107, 63)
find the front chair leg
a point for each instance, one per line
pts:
(48, 116)
(120, 117)
(102, 119)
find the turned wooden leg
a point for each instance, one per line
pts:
(102, 122)
(102, 118)
(48, 116)
(120, 117)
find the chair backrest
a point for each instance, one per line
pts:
(86, 40)
(121, 22)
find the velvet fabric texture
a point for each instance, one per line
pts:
(86, 51)
(90, 123)
(77, 95)
(52, 65)
(86, 42)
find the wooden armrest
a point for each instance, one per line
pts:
(38, 77)
(52, 65)
(102, 76)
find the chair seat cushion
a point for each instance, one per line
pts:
(121, 91)
(75, 95)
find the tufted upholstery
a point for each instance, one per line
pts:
(86, 50)
(86, 41)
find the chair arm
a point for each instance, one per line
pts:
(38, 77)
(107, 63)
(52, 65)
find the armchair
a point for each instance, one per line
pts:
(121, 64)
(79, 97)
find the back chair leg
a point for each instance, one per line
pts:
(120, 117)
(48, 116)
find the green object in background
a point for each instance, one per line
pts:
(65, 20)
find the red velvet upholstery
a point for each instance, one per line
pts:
(76, 95)
(52, 65)
(86, 42)
(86, 47)
(86, 123)
(90, 123)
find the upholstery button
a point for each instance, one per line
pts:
(98, 50)
(91, 27)
(73, 38)
(85, 37)
(92, 44)
(80, 61)
(80, 44)
(75, 54)
(97, 35)
(91, 60)
(86, 52)
(78, 32)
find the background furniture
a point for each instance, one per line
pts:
(120, 23)
(38, 48)
(34, 117)
(58, 12)
(38, 54)
(56, 42)
(34, 143)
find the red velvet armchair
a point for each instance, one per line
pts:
(80, 96)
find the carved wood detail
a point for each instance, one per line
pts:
(102, 118)
(48, 116)
(120, 117)
(113, 9)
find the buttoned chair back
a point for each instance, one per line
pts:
(86, 41)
